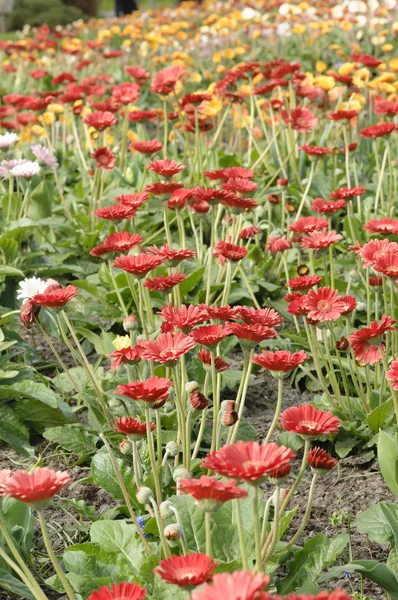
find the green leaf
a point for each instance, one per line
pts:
(190, 282)
(19, 520)
(38, 416)
(74, 438)
(374, 523)
(167, 591)
(13, 585)
(120, 537)
(308, 563)
(392, 521)
(14, 432)
(380, 574)
(387, 453)
(103, 474)
(6, 271)
(392, 561)
(90, 288)
(378, 417)
(40, 201)
(37, 391)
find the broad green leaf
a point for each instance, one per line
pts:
(85, 585)
(374, 523)
(74, 438)
(167, 591)
(392, 521)
(191, 282)
(14, 432)
(37, 391)
(11, 584)
(103, 474)
(387, 453)
(38, 416)
(392, 561)
(380, 574)
(40, 201)
(120, 537)
(19, 520)
(378, 417)
(6, 271)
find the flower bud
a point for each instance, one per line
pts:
(290, 208)
(125, 447)
(375, 281)
(181, 473)
(165, 510)
(342, 344)
(130, 323)
(278, 476)
(273, 199)
(28, 313)
(172, 448)
(173, 532)
(198, 400)
(144, 495)
(282, 182)
(303, 270)
(228, 413)
(191, 386)
(282, 495)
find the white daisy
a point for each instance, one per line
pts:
(27, 169)
(7, 139)
(30, 287)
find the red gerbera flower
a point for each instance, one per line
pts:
(183, 317)
(125, 356)
(164, 81)
(138, 264)
(219, 313)
(35, 487)
(250, 335)
(347, 193)
(305, 282)
(308, 224)
(264, 316)
(280, 361)
(122, 241)
(205, 357)
(55, 298)
(241, 172)
(229, 251)
(248, 460)
(387, 264)
(239, 185)
(380, 130)
(350, 304)
(170, 256)
(327, 207)
(153, 390)
(126, 92)
(392, 374)
(384, 225)
(187, 571)
(277, 244)
(324, 305)
(318, 240)
(249, 232)
(301, 119)
(366, 59)
(100, 120)
(366, 341)
(209, 492)
(147, 146)
(132, 426)
(305, 420)
(298, 304)
(315, 150)
(133, 200)
(371, 251)
(210, 335)
(238, 204)
(166, 167)
(342, 115)
(121, 591)
(116, 212)
(167, 348)
(239, 585)
(164, 284)
(211, 195)
(137, 73)
(320, 460)
(163, 187)
(104, 158)
(137, 116)
(386, 107)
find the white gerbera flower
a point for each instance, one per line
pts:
(7, 139)
(45, 155)
(27, 169)
(30, 287)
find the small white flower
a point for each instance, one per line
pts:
(30, 287)
(45, 155)
(7, 139)
(283, 30)
(357, 6)
(27, 169)
(7, 165)
(249, 13)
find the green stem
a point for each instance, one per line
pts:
(241, 534)
(208, 532)
(306, 515)
(151, 450)
(256, 527)
(277, 412)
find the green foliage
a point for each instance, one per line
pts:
(40, 12)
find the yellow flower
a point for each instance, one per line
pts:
(121, 342)
(346, 68)
(196, 77)
(126, 43)
(55, 108)
(394, 64)
(361, 77)
(115, 29)
(387, 47)
(47, 118)
(132, 137)
(38, 130)
(212, 108)
(325, 82)
(320, 66)
(299, 29)
(217, 57)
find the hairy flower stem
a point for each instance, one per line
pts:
(116, 288)
(211, 253)
(180, 406)
(257, 526)
(393, 392)
(241, 404)
(306, 515)
(57, 567)
(89, 370)
(124, 138)
(151, 450)
(265, 520)
(165, 126)
(160, 524)
(278, 512)
(37, 592)
(277, 412)
(216, 401)
(208, 532)
(306, 191)
(241, 534)
(125, 493)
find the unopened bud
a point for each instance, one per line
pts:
(375, 281)
(172, 448)
(277, 476)
(342, 344)
(165, 510)
(173, 532)
(282, 182)
(144, 495)
(191, 386)
(228, 412)
(303, 270)
(273, 199)
(181, 473)
(130, 323)
(125, 447)
(198, 400)
(282, 495)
